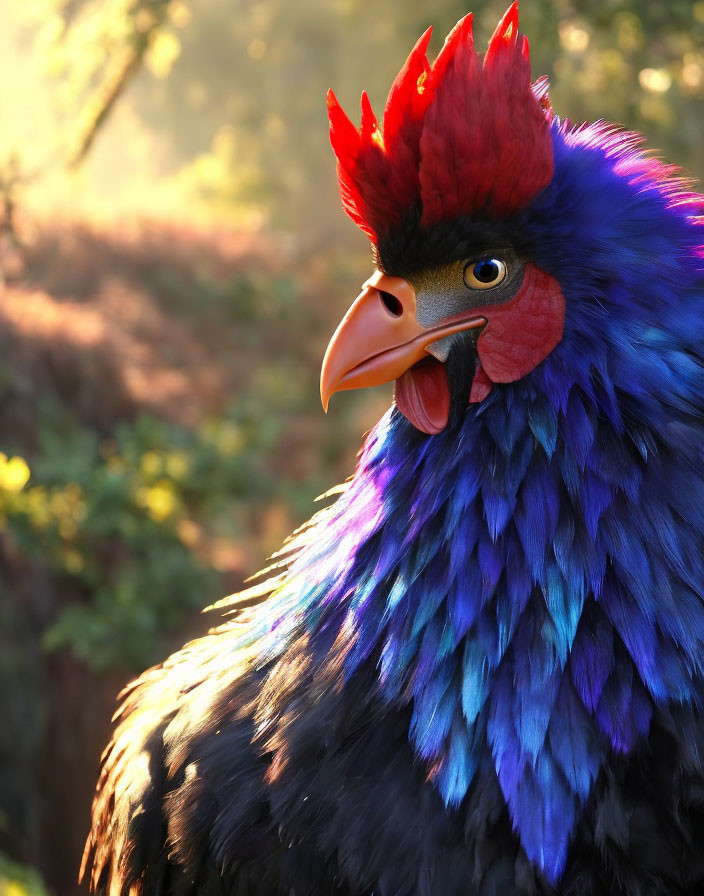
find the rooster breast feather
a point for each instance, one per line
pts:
(227, 777)
(196, 798)
(180, 775)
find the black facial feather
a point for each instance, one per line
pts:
(410, 249)
(461, 366)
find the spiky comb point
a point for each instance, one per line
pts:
(465, 135)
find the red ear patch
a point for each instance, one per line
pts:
(521, 333)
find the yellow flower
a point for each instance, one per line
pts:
(151, 464)
(73, 561)
(158, 500)
(177, 464)
(229, 439)
(12, 888)
(14, 473)
(67, 529)
(116, 465)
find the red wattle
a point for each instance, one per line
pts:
(423, 396)
(481, 385)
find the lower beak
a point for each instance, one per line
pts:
(379, 338)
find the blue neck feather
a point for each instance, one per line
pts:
(532, 581)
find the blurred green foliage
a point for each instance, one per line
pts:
(137, 521)
(120, 518)
(133, 522)
(17, 880)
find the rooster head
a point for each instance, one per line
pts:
(455, 305)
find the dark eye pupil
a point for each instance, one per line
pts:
(486, 270)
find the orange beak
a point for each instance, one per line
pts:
(379, 338)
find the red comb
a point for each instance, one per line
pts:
(462, 136)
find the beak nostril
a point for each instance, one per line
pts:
(393, 305)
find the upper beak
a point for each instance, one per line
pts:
(379, 338)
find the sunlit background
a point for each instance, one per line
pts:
(173, 259)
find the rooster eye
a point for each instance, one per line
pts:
(484, 273)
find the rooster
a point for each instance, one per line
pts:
(480, 671)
